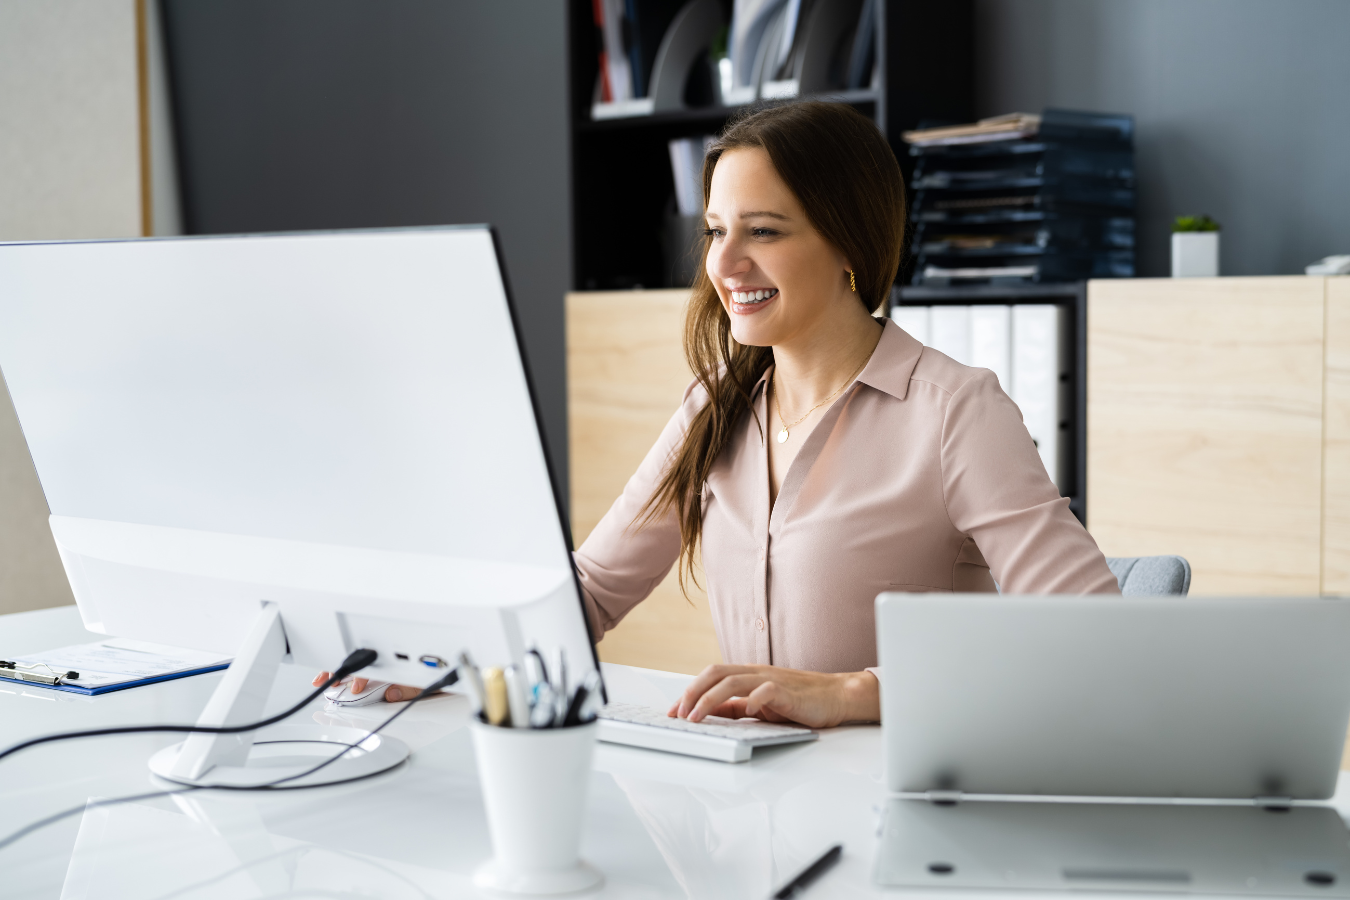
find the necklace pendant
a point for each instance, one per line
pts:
(783, 436)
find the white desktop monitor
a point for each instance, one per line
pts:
(339, 425)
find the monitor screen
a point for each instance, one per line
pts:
(337, 422)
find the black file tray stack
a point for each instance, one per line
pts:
(1055, 206)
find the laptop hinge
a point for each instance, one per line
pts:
(943, 798)
(1281, 803)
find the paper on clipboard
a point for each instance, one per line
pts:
(120, 662)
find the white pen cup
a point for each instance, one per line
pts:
(534, 784)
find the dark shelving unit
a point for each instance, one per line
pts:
(622, 185)
(1072, 296)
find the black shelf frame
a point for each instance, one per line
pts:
(1073, 297)
(713, 114)
(621, 179)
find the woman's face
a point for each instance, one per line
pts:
(777, 276)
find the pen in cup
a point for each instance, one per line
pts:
(561, 689)
(517, 701)
(595, 697)
(535, 668)
(590, 687)
(532, 695)
(473, 683)
(541, 714)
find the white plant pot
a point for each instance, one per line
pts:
(1195, 254)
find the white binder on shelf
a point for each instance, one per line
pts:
(949, 330)
(617, 69)
(1037, 366)
(686, 166)
(991, 341)
(913, 320)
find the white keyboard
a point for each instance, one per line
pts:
(726, 740)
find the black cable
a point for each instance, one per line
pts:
(357, 661)
(270, 786)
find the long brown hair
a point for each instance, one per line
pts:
(846, 177)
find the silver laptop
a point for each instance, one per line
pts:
(1108, 696)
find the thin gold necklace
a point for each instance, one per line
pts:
(783, 435)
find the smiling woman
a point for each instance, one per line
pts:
(891, 466)
(821, 456)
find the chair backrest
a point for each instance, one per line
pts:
(1147, 576)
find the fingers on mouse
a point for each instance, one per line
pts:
(374, 693)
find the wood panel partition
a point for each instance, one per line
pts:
(1218, 429)
(626, 376)
(1206, 435)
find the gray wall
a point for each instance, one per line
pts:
(1242, 109)
(69, 168)
(301, 114)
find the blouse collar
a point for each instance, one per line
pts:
(890, 367)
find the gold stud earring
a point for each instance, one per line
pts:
(852, 282)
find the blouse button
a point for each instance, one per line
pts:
(759, 623)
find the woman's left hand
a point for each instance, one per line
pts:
(813, 699)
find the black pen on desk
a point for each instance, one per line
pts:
(810, 873)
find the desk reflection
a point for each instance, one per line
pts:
(203, 847)
(742, 831)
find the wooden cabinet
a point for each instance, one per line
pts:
(626, 377)
(1336, 442)
(1219, 428)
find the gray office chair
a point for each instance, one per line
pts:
(1148, 576)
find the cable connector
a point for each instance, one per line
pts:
(450, 678)
(355, 662)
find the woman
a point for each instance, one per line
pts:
(821, 456)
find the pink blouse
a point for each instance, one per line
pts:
(920, 477)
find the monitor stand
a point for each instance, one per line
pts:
(258, 758)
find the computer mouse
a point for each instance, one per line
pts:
(341, 694)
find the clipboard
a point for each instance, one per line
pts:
(110, 665)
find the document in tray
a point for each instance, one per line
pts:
(109, 665)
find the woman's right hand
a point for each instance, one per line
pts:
(392, 694)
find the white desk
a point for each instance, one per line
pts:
(657, 825)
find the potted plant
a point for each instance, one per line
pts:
(1195, 247)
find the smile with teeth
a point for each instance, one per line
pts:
(751, 297)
